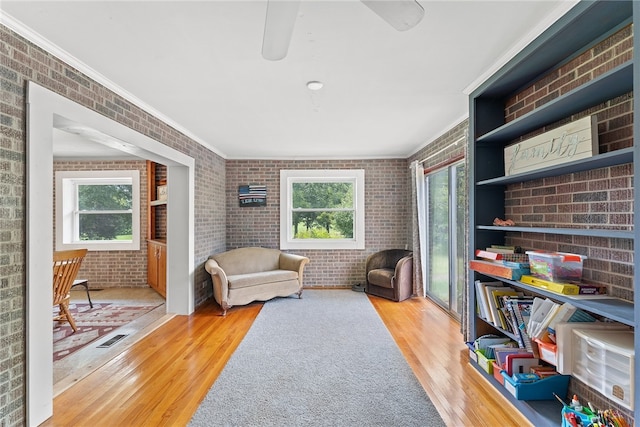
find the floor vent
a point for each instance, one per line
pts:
(112, 341)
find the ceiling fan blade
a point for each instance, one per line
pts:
(278, 27)
(400, 14)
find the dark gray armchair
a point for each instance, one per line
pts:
(390, 274)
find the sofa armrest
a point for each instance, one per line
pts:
(293, 262)
(219, 280)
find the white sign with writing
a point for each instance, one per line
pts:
(574, 141)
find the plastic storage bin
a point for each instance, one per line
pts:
(497, 373)
(604, 361)
(560, 267)
(543, 389)
(584, 418)
(486, 364)
(548, 352)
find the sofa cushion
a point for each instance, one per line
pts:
(251, 279)
(248, 260)
(381, 277)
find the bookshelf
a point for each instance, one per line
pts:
(585, 25)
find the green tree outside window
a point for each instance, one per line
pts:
(105, 212)
(323, 210)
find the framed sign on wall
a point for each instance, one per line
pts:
(252, 195)
(573, 141)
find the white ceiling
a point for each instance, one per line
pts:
(198, 66)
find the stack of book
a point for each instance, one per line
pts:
(527, 318)
(505, 308)
(501, 261)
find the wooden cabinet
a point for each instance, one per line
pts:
(156, 229)
(585, 25)
(157, 266)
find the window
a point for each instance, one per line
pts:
(98, 210)
(322, 209)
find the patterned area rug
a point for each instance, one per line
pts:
(92, 324)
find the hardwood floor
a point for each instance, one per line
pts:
(69, 370)
(433, 345)
(161, 380)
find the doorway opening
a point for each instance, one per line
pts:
(46, 108)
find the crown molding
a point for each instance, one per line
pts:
(40, 41)
(557, 13)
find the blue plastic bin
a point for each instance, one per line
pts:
(539, 390)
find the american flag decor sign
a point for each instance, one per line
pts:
(252, 195)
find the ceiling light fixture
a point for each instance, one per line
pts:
(314, 85)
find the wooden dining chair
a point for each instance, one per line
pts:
(65, 269)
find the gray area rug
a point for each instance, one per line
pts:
(324, 360)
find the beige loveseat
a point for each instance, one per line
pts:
(243, 275)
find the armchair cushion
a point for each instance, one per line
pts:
(381, 277)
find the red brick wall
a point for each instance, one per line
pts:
(447, 146)
(387, 208)
(601, 198)
(604, 56)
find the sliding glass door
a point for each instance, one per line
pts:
(445, 237)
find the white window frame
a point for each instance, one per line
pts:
(289, 177)
(66, 203)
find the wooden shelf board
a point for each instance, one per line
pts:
(613, 83)
(613, 158)
(589, 232)
(612, 308)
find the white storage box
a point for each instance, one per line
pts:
(604, 361)
(564, 339)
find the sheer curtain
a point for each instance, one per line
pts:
(419, 227)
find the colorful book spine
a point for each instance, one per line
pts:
(516, 306)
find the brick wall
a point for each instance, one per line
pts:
(446, 146)
(601, 198)
(109, 269)
(21, 61)
(386, 211)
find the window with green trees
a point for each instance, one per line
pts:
(98, 210)
(322, 209)
(104, 211)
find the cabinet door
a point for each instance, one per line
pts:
(162, 271)
(152, 265)
(157, 267)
